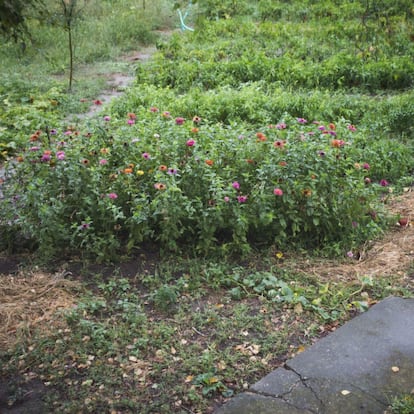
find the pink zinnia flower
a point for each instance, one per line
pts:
(278, 192)
(366, 166)
(242, 199)
(282, 125)
(146, 156)
(103, 161)
(352, 128)
(154, 109)
(226, 199)
(107, 118)
(384, 183)
(60, 155)
(112, 196)
(131, 121)
(302, 120)
(235, 185)
(190, 143)
(179, 121)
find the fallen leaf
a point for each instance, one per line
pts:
(345, 392)
(395, 369)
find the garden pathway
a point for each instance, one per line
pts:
(356, 369)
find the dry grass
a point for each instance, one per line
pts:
(30, 301)
(393, 254)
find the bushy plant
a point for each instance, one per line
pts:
(151, 177)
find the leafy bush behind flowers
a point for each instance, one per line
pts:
(193, 186)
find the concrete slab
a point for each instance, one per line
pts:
(356, 369)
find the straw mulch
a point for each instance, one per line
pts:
(392, 255)
(30, 301)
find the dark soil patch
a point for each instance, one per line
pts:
(22, 397)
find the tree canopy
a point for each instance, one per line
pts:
(13, 14)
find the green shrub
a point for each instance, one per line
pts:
(172, 181)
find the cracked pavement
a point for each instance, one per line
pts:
(356, 369)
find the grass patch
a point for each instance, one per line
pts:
(179, 335)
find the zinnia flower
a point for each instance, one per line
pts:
(337, 143)
(160, 186)
(279, 144)
(351, 128)
(302, 120)
(172, 171)
(163, 168)
(282, 125)
(196, 119)
(146, 156)
(107, 118)
(60, 155)
(384, 183)
(278, 192)
(112, 196)
(235, 185)
(242, 199)
(154, 109)
(261, 137)
(209, 162)
(179, 121)
(103, 161)
(190, 143)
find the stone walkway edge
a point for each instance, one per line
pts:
(356, 369)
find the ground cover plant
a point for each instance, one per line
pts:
(271, 136)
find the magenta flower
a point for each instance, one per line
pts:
(350, 254)
(384, 183)
(60, 155)
(322, 128)
(190, 143)
(67, 132)
(278, 192)
(241, 199)
(179, 121)
(34, 149)
(131, 121)
(84, 226)
(352, 128)
(112, 196)
(103, 161)
(146, 156)
(366, 166)
(172, 171)
(107, 118)
(154, 109)
(281, 125)
(45, 158)
(226, 199)
(302, 120)
(236, 185)
(53, 131)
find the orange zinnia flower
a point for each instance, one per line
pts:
(261, 137)
(128, 171)
(163, 168)
(209, 162)
(307, 192)
(337, 143)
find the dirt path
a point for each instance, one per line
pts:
(117, 83)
